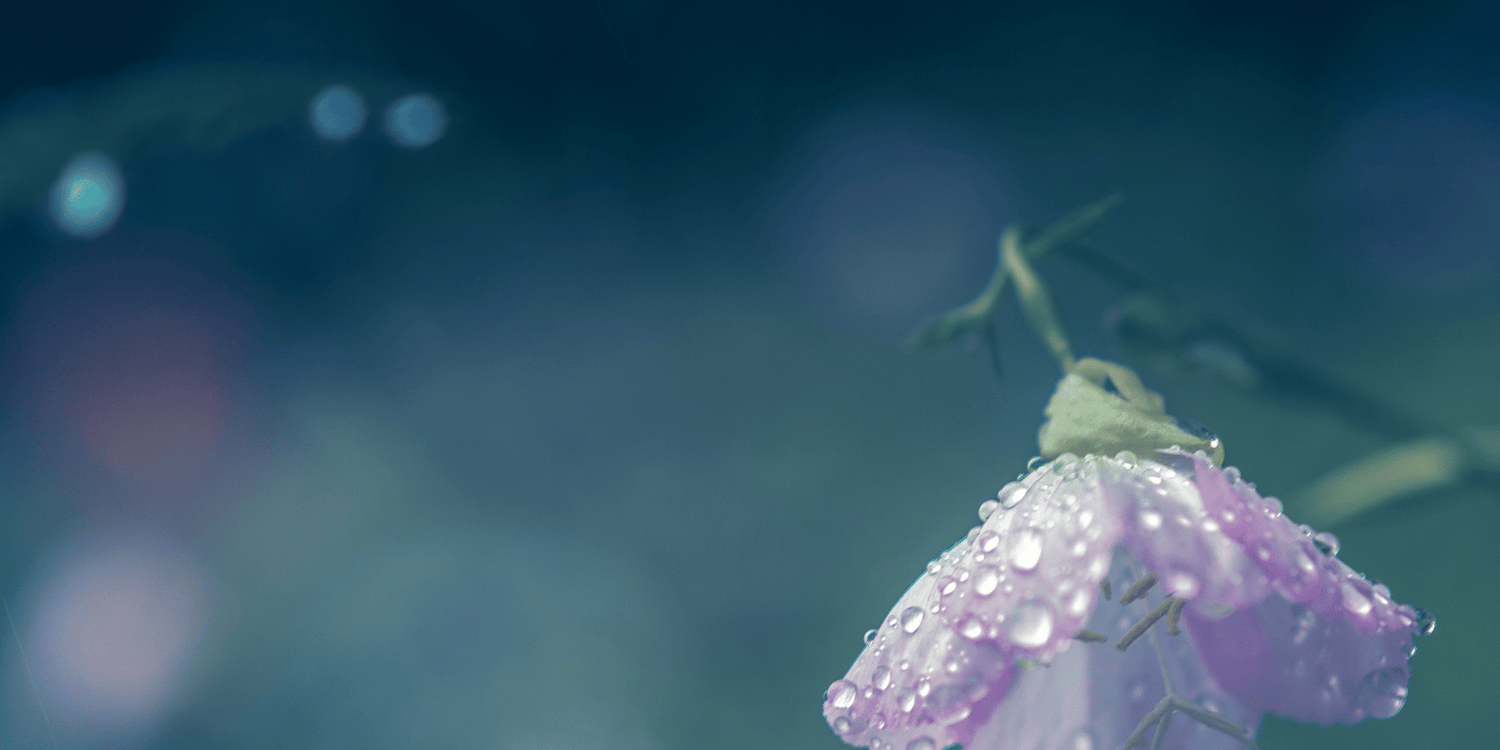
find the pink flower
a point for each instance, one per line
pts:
(1042, 627)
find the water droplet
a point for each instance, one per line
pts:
(1355, 601)
(1150, 520)
(1231, 474)
(1082, 739)
(1306, 563)
(1210, 525)
(951, 666)
(905, 664)
(1011, 495)
(1127, 458)
(1262, 551)
(1085, 517)
(1426, 623)
(985, 580)
(933, 567)
(842, 693)
(921, 743)
(1031, 625)
(1382, 693)
(971, 628)
(879, 723)
(870, 635)
(841, 725)
(1182, 585)
(1080, 603)
(946, 586)
(988, 541)
(924, 687)
(911, 619)
(973, 532)
(1035, 463)
(954, 714)
(881, 677)
(987, 508)
(906, 700)
(1026, 549)
(1272, 507)
(1064, 463)
(1326, 543)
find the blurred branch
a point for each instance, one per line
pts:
(977, 317)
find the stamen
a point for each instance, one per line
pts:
(1089, 636)
(1212, 720)
(1138, 737)
(1138, 589)
(1140, 628)
(1161, 730)
(1105, 587)
(1174, 614)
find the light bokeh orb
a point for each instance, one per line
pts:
(88, 196)
(337, 113)
(416, 121)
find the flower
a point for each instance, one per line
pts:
(1041, 627)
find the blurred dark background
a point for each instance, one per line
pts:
(587, 425)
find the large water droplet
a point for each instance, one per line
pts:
(1150, 520)
(986, 579)
(1326, 543)
(1426, 623)
(1025, 549)
(987, 508)
(1182, 585)
(881, 677)
(946, 586)
(843, 693)
(1031, 625)
(906, 700)
(1127, 458)
(870, 635)
(988, 541)
(911, 619)
(971, 628)
(1382, 693)
(921, 743)
(1035, 463)
(1011, 495)
(841, 725)
(1355, 601)
(1080, 602)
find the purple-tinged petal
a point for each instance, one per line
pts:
(979, 651)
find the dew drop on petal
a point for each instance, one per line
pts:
(1031, 625)
(1025, 550)
(921, 743)
(971, 628)
(1355, 601)
(1182, 585)
(946, 586)
(987, 508)
(1085, 517)
(1082, 739)
(1382, 693)
(986, 579)
(870, 635)
(911, 619)
(1079, 603)
(988, 541)
(924, 687)
(841, 725)
(1035, 463)
(1011, 495)
(843, 693)
(906, 700)
(881, 677)
(1426, 623)
(1326, 543)
(1150, 520)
